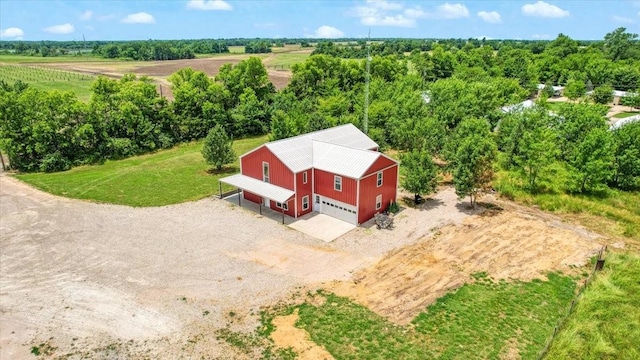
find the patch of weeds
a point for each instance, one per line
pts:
(205, 313)
(242, 341)
(43, 349)
(232, 314)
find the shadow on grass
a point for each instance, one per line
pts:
(225, 170)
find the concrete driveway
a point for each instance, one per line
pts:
(321, 226)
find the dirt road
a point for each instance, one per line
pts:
(91, 280)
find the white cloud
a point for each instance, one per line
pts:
(387, 20)
(60, 29)
(387, 13)
(87, 15)
(543, 9)
(622, 19)
(451, 11)
(540, 36)
(139, 18)
(328, 32)
(208, 5)
(385, 5)
(492, 17)
(12, 33)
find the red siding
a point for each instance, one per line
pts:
(379, 164)
(324, 186)
(289, 212)
(279, 174)
(252, 197)
(304, 190)
(369, 191)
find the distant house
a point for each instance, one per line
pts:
(557, 90)
(518, 107)
(336, 171)
(617, 95)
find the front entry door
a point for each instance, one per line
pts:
(266, 202)
(316, 203)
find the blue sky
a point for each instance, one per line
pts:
(195, 19)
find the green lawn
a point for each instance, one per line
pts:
(626, 114)
(606, 321)
(481, 320)
(166, 177)
(49, 79)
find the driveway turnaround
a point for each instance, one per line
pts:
(157, 282)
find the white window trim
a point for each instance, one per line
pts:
(267, 178)
(305, 202)
(379, 202)
(304, 177)
(337, 181)
(284, 206)
(379, 179)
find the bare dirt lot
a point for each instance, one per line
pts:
(94, 281)
(91, 280)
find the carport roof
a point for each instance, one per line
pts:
(258, 187)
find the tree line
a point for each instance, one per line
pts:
(53, 131)
(440, 107)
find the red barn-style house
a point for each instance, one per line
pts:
(336, 171)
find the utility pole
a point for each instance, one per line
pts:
(365, 123)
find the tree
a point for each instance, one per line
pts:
(618, 42)
(472, 161)
(421, 174)
(602, 94)
(574, 89)
(592, 161)
(217, 148)
(632, 99)
(627, 156)
(531, 144)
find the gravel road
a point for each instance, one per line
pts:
(80, 276)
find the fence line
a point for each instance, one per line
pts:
(596, 267)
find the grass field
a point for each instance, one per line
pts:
(49, 79)
(626, 114)
(14, 59)
(606, 321)
(480, 320)
(614, 212)
(285, 60)
(166, 177)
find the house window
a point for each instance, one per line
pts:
(337, 183)
(282, 206)
(305, 202)
(318, 199)
(265, 171)
(379, 183)
(304, 177)
(378, 202)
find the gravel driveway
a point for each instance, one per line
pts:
(81, 276)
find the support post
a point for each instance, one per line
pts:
(239, 191)
(261, 201)
(282, 215)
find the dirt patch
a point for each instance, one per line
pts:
(286, 335)
(516, 243)
(160, 70)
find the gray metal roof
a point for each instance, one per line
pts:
(342, 160)
(297, 152)
(258, 187)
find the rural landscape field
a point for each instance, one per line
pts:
(515, 230)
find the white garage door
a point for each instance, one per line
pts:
(338, 210)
